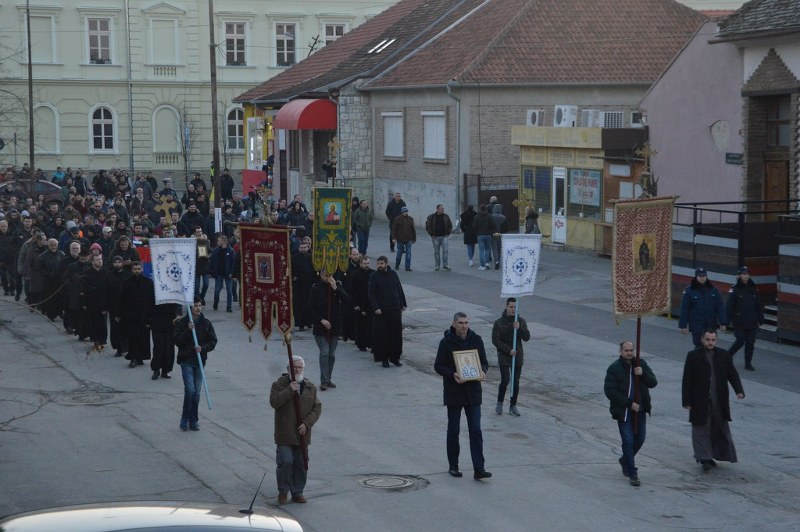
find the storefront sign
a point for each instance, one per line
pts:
(584, 187)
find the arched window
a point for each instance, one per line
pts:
(46, 125)
(234, 131)
(166, 130)
(102, 130)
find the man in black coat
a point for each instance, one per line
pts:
(95, 302)
(346, 278)
(392, 212)
(325, 303)
(52, 271)
(509, 353)
(303, 277)
(745, 314)
(462, 394)
(359, 295)
(139, 299)
(162, 328)
(706, 374)
(388, 301)
(629, 403)
(116, 306)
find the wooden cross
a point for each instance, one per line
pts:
(333, 149)
(167, 203)
(646, 152)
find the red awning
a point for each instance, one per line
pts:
(306, 114)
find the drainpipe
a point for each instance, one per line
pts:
(450, 85)
(130, 91)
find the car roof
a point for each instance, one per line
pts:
(147, 515)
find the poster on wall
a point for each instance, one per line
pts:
(584, 187)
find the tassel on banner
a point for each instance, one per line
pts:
(249, 338)
(265, 346)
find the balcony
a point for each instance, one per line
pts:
(165, 71)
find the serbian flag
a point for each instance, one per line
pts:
(147, 264)
(642, 256)
(173, 269)
(520, 263)
(266, 278)
(332, 214)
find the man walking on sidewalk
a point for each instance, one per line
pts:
(439, 226)
(404, 235)
(745, 314)
(393, 211)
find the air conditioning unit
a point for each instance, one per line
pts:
(534, 117)
(565, 116)
(591, 118)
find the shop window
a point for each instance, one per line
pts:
(585, 193)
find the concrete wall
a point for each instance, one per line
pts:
(421, 198)
(701, 88)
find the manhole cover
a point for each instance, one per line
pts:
(393, 482)
(89, 394)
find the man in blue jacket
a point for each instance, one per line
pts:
(701, 308)
(462, 394)
(223, 260)
(745, 314)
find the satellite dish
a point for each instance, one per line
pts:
(2, 144)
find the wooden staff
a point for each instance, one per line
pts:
(635, 376)
(288, 339)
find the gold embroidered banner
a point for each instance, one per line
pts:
(332, 215)
(642, 256)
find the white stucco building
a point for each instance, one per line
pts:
(126, 83)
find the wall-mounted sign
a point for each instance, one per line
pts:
(734, 158)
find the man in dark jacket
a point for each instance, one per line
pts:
(94, 301)
(706, 374)
(508, 352)
(116, 306)
(439, 227)
(52, 271)
(325, 301)
(74, 315)
(404, 235)
(290, 471)
(462, 394)
(388, 301)
(223, 260)
(139, 296)
(162, 328)
(701, 307)
(745, 314)
(483, 225)
(629, 403)
(187, 359)
(392, 212)
(303, 277)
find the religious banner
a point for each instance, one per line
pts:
(266, 278)
(520, 263)
(173, 263)
(332, 213)
(642, 256)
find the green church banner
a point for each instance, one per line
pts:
(331, 228)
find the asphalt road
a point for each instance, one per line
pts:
(77, 428)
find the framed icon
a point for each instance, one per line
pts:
(265, 268)
(332, 212)
(468, 365)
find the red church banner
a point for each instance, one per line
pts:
(266, 278)
(642, 257)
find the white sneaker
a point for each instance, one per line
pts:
(470, 264)
(482, 267)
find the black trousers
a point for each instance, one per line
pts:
(163, 352)
(98, 330)
(138, 342)
(505, 378)
(363, 326)
(387, 335)
(119, 334)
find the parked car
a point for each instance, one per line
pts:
(51, 191)
(149, 516)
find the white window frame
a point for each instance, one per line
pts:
(88, 36)
(275, 27)
(394, 136)
(637, 119)
(329, 39)
(53, 40)
(175, 34)
(245, 38)
(56, 129)
(239, 124)
(434, 135)
(178, 127)
(114, 130)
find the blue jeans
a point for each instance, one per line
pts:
(290, 471)
(440, 244)
(192, 386)
(363, 240)
(327, 356)
(473, 414)
(228, 289)
(403, 247)
(470, 251)
(485, 249)
(201, 286)
(631, 443)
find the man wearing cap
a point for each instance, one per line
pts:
(745, 314)
(701, 308)
(106, 242)
(393, 211)
(168, 190)
(404, 235)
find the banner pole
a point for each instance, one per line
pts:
(288, 340)
(636, 377)
(199, 358)
(513, 348)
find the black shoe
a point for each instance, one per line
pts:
(216, 304)
(481, 474)
(398, 363)
(634, 480)
(749, 367)
(409, 270)
(228, 310)
(331, 385)
(155, 375)
(118, 354)
(706, 465)
(132, 364)
(496, 265)
(194, 426)
(165, 375)
(454, 472)
(362, 348)
(385, 364)
(139, 363)
(622, 465)
(323, 387)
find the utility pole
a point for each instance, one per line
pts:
(212, 50)
(30, 91)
